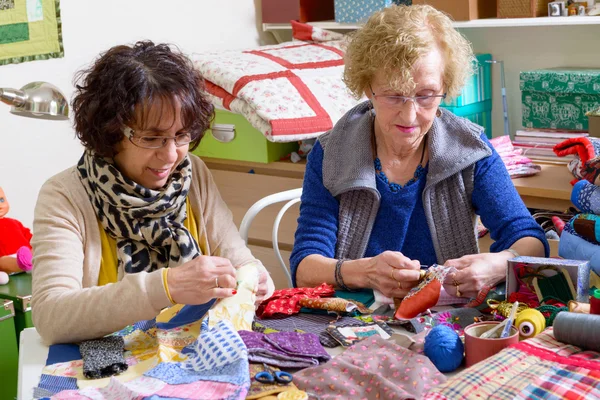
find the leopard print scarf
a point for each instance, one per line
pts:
(147, 224)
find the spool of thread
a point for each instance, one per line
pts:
(580, 330)
(530, 322)
(595, 302)
(444, 348)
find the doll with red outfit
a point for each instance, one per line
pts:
(15, 250)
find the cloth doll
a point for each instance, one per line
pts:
(15, 250)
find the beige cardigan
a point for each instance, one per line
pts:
(67, 304)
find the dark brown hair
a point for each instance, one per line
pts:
(127, 79)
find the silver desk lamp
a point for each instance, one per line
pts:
(37, 100)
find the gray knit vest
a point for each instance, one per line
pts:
(454, 146)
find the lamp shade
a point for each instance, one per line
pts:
(37, 100)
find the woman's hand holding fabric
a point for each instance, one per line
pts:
(201, 280)
(392, 273)
(263, 287)
(474, 271)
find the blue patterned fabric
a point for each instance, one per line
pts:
(187, 315)
(56, 384)
(218, 355)
(58, 353)
(586, 197)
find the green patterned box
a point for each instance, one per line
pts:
(558, 98)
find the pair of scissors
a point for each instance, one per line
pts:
(271, 376)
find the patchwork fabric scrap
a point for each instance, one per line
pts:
(103, 357)
(510, 373)
(278, 352)
(374, 368)
(218, 355)
(585, 148)
(335, 304)
(287, 301)
(239, 309)
(312, 323)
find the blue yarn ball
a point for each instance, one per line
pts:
(444, 348)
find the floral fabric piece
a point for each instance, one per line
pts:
(239, 309)
(372, 369)
(335, 304)
(287, 301)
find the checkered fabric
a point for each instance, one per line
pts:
(539, 368)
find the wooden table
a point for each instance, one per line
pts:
(550, 189)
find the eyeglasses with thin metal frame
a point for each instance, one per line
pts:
(156, 142)
(425, 102)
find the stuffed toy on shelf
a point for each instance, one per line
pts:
(15, 249)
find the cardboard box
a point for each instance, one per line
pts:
(283, 11)
(578, 270)
(463, 10)
(359, 11)
(559, 98)
(594, 125)
(522, 8)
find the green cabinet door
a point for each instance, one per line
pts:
(18, 290)
(9, 355)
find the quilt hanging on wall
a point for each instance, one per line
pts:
(30, 30)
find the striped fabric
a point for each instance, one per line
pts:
(55, 384)
(539, 368)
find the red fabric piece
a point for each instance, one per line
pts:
(13, 236)
(287, 301)
(425, 298)
(301, 31)
(581, 147)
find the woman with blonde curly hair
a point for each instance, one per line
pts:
(398, 183)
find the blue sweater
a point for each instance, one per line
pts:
(400, 224)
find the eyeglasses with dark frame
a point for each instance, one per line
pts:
(425, 102)
(156, 142)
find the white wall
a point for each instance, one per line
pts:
(33, 150)
(525, 48)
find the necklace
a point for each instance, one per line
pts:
(394, 187)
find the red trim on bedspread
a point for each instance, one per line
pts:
(219, 92)
(320, 122)
(309, 65)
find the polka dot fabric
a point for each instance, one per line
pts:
(375, 368)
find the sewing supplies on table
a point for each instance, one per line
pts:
(580, 330)
(530, 322)
(502, 330)
(269, 375)
(478, 348)
(444, 348)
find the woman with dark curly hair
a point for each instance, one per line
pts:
(108, 231)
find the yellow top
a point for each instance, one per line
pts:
(108, 265)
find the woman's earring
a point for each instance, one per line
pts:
(438, 113)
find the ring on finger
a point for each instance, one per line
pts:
(458, 293)
(392, 274)
(400, 285)
(217, 282)
(422, 274)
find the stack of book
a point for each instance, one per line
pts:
(537, 144)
